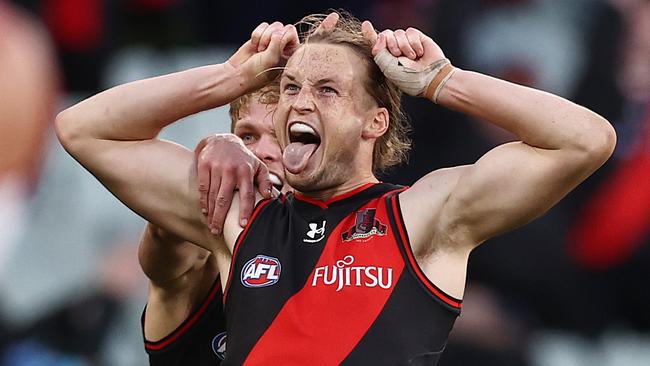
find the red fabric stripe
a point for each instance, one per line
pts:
(320, 325)
(418, 271)
(155, 346)
(325, 204)
(241, 237)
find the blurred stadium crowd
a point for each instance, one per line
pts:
(569, 289)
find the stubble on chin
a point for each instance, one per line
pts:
(333, 174)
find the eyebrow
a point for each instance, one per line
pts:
(247, 126)
(243, 124)
(318, 82)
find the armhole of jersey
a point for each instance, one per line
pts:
(397, 222)
(186, 325)
(240, 238)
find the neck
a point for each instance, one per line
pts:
(347, 186)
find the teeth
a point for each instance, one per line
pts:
(299, 127)
(275, 180)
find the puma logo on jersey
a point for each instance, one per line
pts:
(315, 233)
(261, 271)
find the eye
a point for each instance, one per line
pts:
(291, 89)
(329, 90)
(247, 138)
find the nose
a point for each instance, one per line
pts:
(304, 102)
(267, 149)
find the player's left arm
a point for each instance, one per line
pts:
(560, 145)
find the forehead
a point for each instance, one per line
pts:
(257, 116)
(318, 61)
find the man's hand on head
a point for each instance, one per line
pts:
(270, 46)
(408, 58)
(224, 165)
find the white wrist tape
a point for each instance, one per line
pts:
(410, 81)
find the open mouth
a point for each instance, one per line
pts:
(303, 141)
(303, 133)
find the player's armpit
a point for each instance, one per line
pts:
(165, 258)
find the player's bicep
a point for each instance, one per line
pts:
(154, 178)
(508, 187)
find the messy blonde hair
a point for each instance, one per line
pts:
(393, 147)
(267, 95)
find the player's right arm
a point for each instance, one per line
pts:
(113, 134)
(180, 275)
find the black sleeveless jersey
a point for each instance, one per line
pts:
(199, 340)
(329, 283)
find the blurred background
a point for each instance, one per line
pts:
(569, 289)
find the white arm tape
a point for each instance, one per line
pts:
(410, 81)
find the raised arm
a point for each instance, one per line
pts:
(113, 134)
(560, 145)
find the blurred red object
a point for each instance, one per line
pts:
(75, 25)
(616, 222)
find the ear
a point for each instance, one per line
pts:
(377, 124)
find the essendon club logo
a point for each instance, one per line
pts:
(365, 226)
(261, 271)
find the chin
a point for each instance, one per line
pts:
(311, 182)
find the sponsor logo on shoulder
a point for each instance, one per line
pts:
(219, 345)
(366, 225)
(315, 233)
(261, 271)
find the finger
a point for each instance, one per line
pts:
(222, 203)
(430, 47)
(203, 174)
(215, 183)
(391, 43)
(404, 45)
(246, 194)
(263, 181)
(257, 34)
(380, 45)
(368, 32)
(413, 35)
(265, 39)
(290, 41)
(329, 23)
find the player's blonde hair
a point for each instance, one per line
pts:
(268, 95)
(393, 147)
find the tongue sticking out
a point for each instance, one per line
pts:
(296, 155)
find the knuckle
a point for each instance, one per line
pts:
(228, 169)
(203, 187)
(221, 201)
(248, 195)
(243, 169)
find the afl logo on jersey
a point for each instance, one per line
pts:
(219, 345)
(261, 271)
